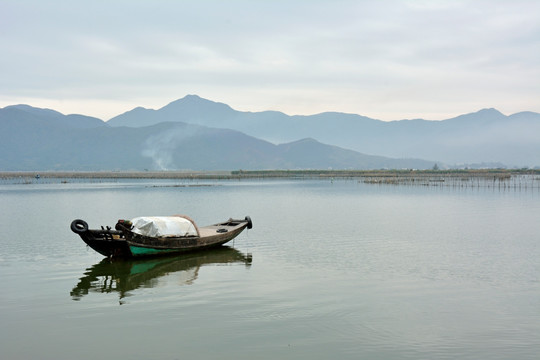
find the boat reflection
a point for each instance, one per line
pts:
(123, 276)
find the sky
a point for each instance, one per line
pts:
(385, 59)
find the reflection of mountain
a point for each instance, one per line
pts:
(125, 275)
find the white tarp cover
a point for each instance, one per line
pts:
(166, 226)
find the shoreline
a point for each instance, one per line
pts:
(499, 174)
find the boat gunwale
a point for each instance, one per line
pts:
(187, 242)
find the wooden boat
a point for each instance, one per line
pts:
(150, 236)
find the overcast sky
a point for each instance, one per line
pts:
(386, 59)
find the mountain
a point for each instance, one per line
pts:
(190, 109)
(29, 114)
(483, 136)
(314, 155)
(142, 138)
(41, 139)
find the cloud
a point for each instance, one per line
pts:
(385, 59)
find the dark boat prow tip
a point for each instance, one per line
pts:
(79, 226)
(125, 240)
(249, 222)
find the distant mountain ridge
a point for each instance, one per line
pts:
(41, 139)
(199, 134)
(52, 117)
(190, 109)
(483, 136)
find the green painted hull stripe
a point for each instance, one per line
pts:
(136, 250)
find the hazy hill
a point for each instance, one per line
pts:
(29, 114)
(484, 136)
(190, 109)
(190, 133)
(40, 139)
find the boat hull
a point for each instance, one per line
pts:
(123, 243)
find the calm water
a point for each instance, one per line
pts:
(338, 269)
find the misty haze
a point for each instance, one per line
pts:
(198, 134)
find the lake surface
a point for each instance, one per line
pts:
(331, 269)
